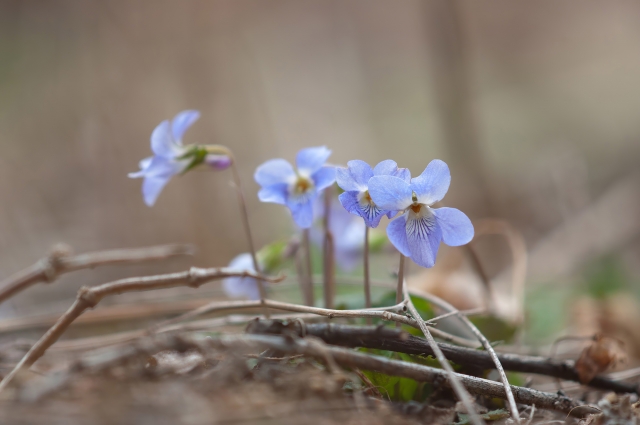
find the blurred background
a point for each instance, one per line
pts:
(534, 105)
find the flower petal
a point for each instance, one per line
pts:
(151, 188)
(310, 160)
(302, 213)
(360, 172)
(324, 177)
(397, 233)
(274, 171)
(433, 183)
(423, 236)
(456, 227)
(181, 122)
(238, 287)
(388, 167)
(349, 201)
(404, 174)
(162, 142)
(390, 193)
(276, 193)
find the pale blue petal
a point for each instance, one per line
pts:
(276, 193)
(388, 167)
(346, 181)
(390, 193)
(397, 233)
(181, 122)
(423, 236)
(239, 287)
(144, 163)
(151, 188)
(349, 201)
(163, 167)
(456, 227)
(392, 214)
(274, 171)
(404, 174)
(360, 172)
(433, 183)
(324, 177)
(310, 160)
(162, 142)
(302, 213)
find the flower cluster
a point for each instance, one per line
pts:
(417, 233)
(369, 193)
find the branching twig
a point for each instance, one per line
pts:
(386, 313)
(61, 260)
(453, 380)
(420, 373)
(485, 343)
(103, 359)
(398, 341)
(90, 297)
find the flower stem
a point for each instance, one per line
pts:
(367, 285)
(309, 295)
(399, 290)
(327, 253)
(245, 221)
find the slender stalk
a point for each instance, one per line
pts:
(399, 294)
(245, 221)
(367, 281)
(308, 271)
(328, 252)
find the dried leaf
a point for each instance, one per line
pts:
(603, 353)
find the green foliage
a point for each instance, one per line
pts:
(494, 328)
(546, 311)
(271, 256)
(605, 277)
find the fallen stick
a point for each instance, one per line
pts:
(90, 297)
(61, 260)
(394, 340)
(105, 358)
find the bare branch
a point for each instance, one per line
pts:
(398, 341)
(453, 380)
(386, 313)
(61, 260)
(350, 358)
(104, 358)
(485, 343)
(90, 297)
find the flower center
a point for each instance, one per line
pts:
(416, 208)
(302, 185)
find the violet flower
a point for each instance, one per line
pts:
(171, 157)
(354, 180)
(296, 188)
(419, 231)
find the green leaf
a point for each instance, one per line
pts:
(494, 328)
(271, 256)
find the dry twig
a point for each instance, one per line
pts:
(485, 343)
(453, 380)
(394, 340)
(90, 297)
(61, 260)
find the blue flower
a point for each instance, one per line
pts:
(354, 180)
(296, 188)
(242, 287)
(170, 157)
(418, 232)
